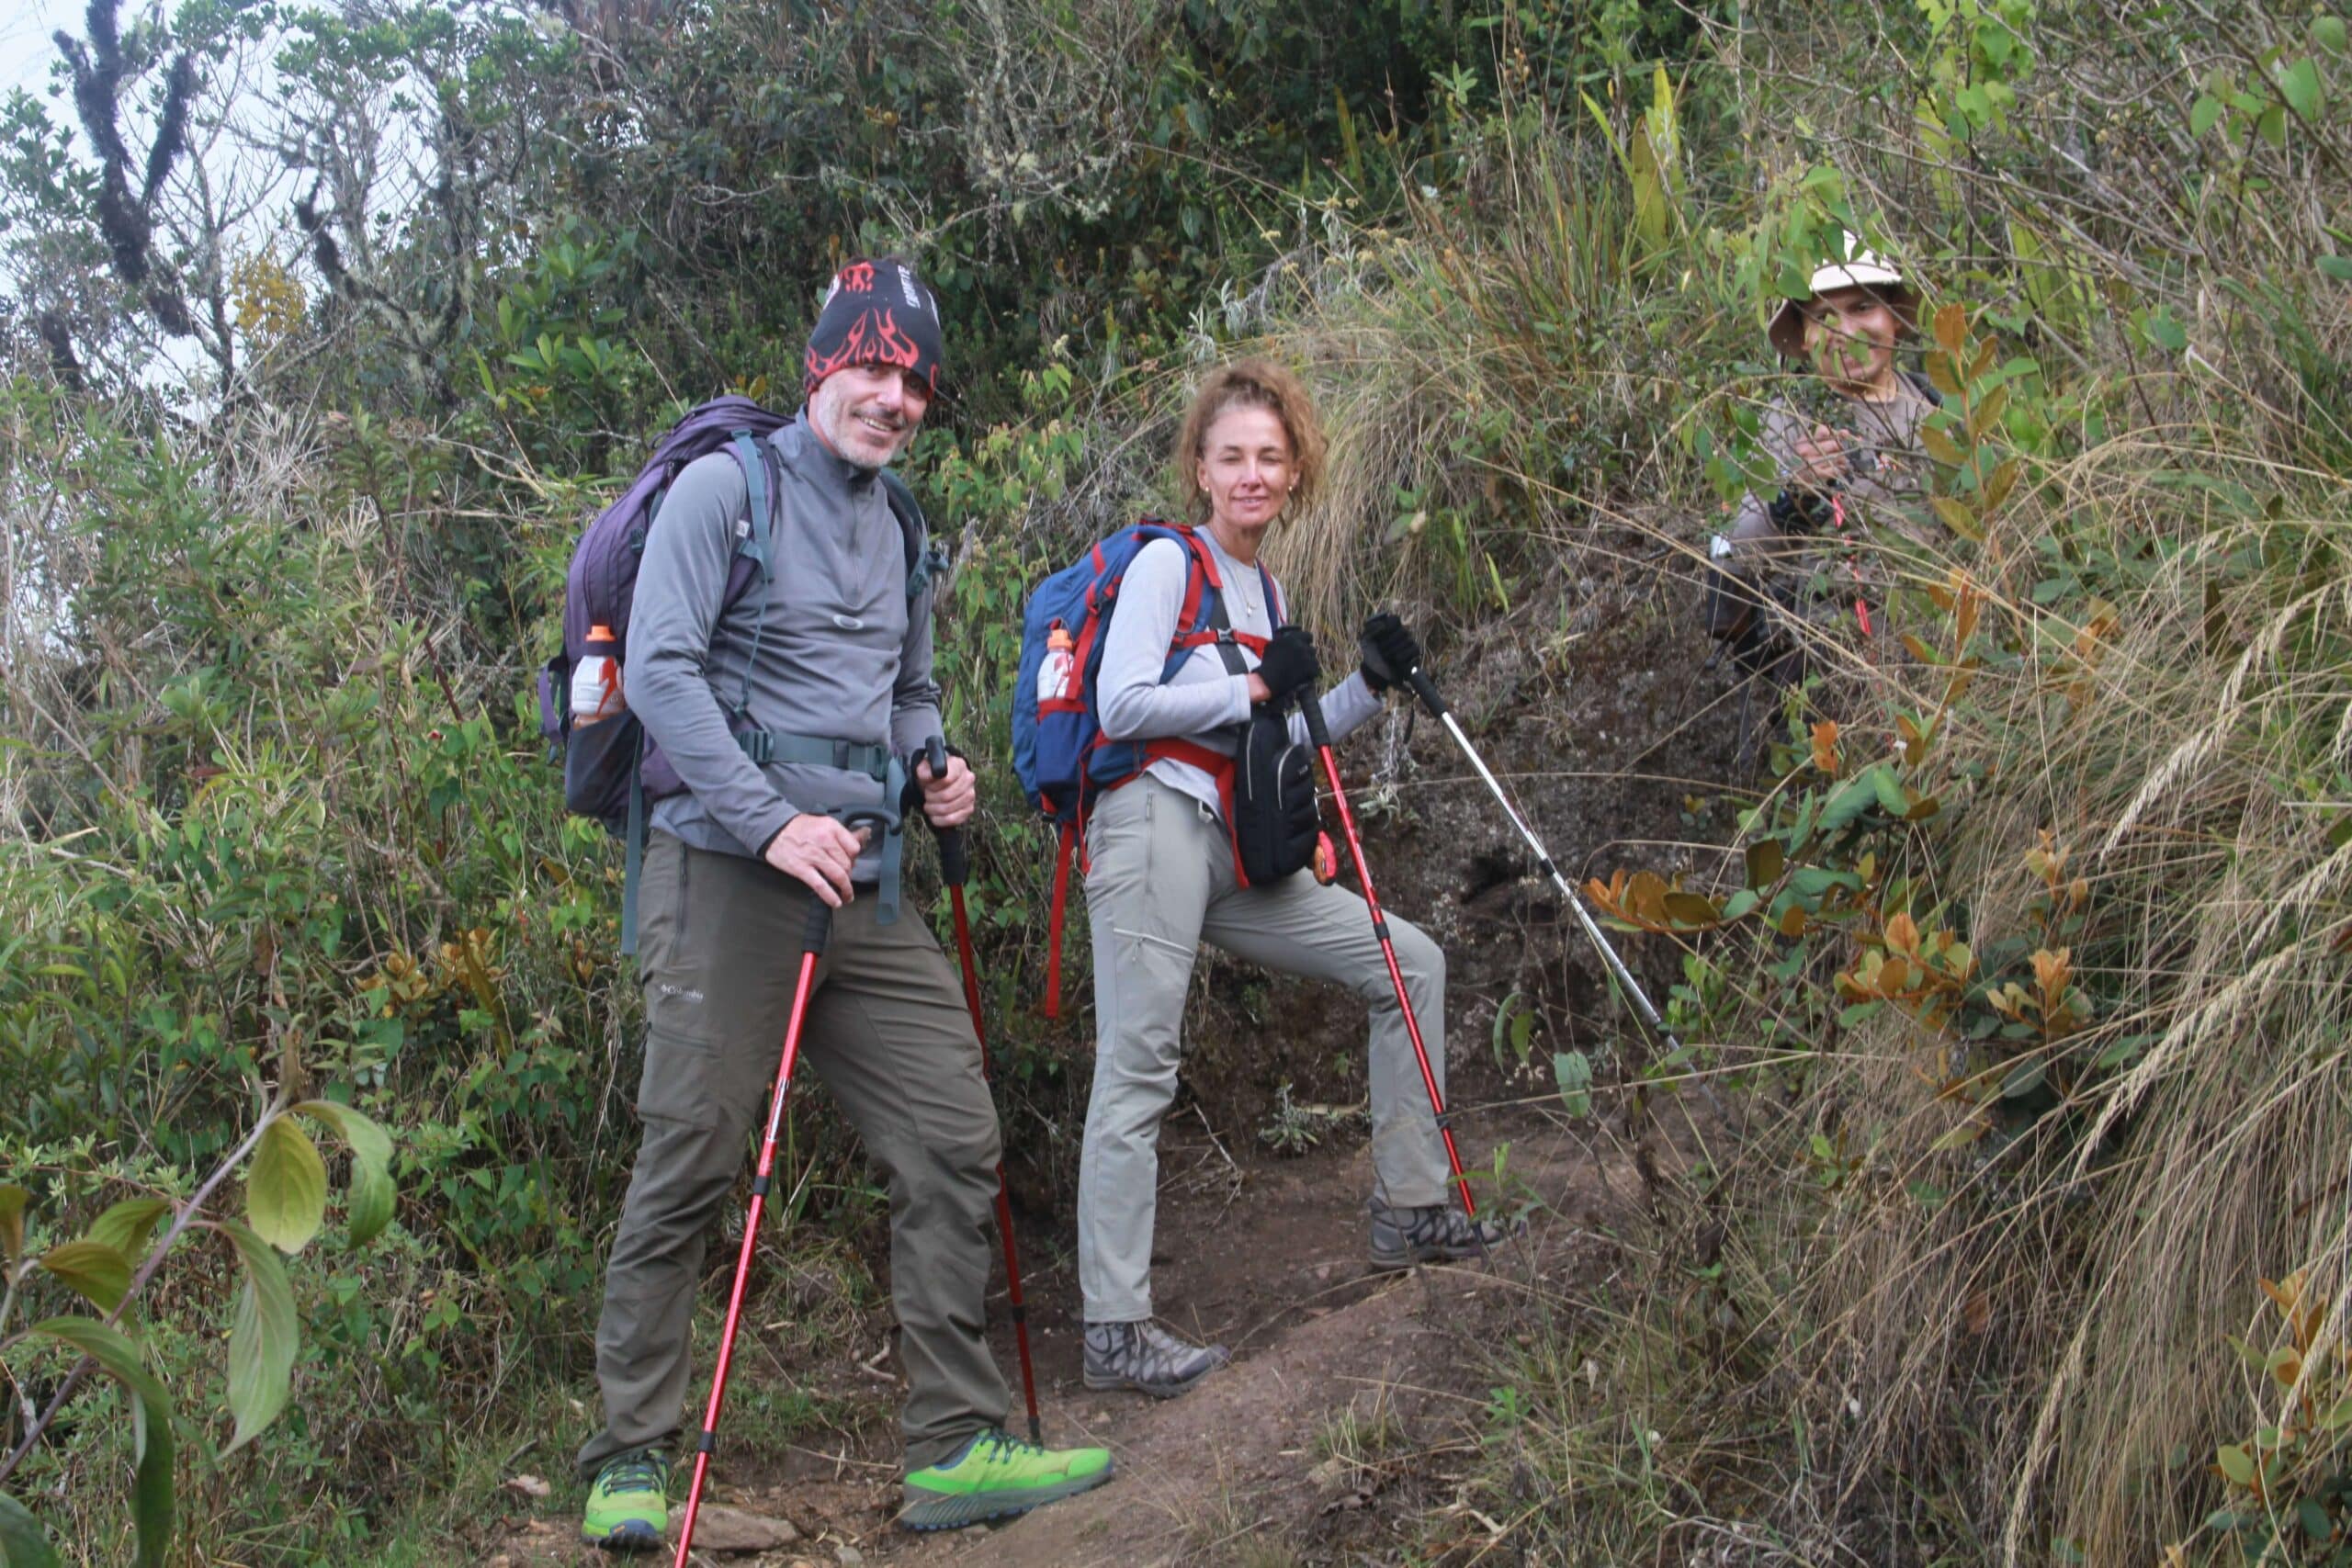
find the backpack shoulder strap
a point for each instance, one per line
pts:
(752, 455)
(923, 562)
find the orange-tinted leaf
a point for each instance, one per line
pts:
(1951, 328)
(1982, 411)
(1792, 920)
(1958, 518)
(1903, 934)
(1646, 897)
(1765, 860)
(1824, 747)
(1943, 373)
(1690, 909)
(1940, 446)
(1998, 488)
(1976, 1312)
(2051, 971)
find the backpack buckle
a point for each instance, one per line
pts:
(758, 745)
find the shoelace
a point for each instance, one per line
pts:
(1000, 1442)
(635, 1475)
(1158, 1348)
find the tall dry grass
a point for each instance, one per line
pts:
(1988, 1326)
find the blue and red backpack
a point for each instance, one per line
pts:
(613, 770)
(1064, 761)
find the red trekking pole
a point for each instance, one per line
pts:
(812, 944)
(956, 869)
(1321, 735)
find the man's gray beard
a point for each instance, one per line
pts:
(841, 447)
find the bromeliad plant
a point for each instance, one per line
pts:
(112, 1263)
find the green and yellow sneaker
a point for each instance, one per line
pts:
(996, 1476)
(628, 1507)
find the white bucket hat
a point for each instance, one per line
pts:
(1859, 269)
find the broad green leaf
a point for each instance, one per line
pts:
(91, 1270)
(1891, 799)
(127, 1226)
(1853, 797)
(23, 1543)
(262, 1339)
(2337, 268)
(151, 1493)
(2164, 331)
(370, 1203)
(1961, 1137)
(2204, 114)
(2236, 1463)
(286, 1190)
(2299, 85)
(1741, 904)
(13, 1200)
(1573, 1071)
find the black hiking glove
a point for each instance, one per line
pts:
(1389, 653)
(1289, 664)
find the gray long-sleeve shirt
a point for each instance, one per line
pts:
(843, 655)
(1202, 700)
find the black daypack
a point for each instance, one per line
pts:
(1276, 823)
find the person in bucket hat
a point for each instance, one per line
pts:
(789, 712)
(1844, 442)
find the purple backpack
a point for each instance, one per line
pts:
(613, 770)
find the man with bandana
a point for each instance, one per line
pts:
(784, 714)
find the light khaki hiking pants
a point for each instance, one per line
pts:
(1160, 882)
(719, 953)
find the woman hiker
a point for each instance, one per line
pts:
(1162, 878)
(1844, 465)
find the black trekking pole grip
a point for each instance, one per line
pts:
(955, 864)
(1425, 689)
(820, 926)
(1311, 709)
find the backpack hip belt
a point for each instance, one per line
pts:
(876, 762)
(763, 747)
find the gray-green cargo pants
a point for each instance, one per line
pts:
(719, 945)
(1160, 881)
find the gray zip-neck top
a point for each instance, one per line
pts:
(841, 656)
(1202, 701)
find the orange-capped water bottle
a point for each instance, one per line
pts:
(596, 679)
(1053, 672)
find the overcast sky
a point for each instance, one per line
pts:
(25, 49)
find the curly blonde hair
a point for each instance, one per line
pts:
(1258, 384)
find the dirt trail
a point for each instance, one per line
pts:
(1345, 1385)
(1351, 1393)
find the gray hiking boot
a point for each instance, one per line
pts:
(1146, 1356)
(1431, 1232)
